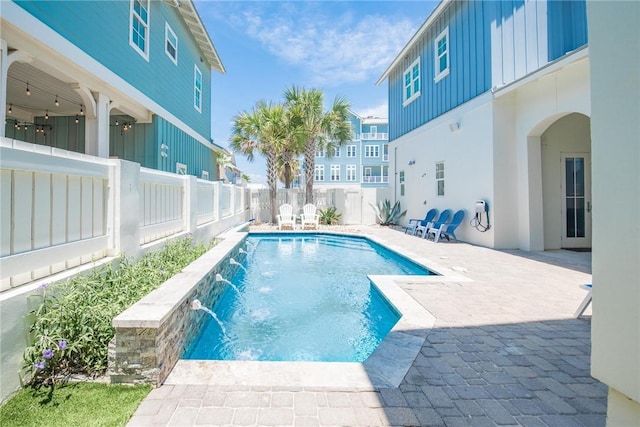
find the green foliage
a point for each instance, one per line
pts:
(386, 214)
(72, 324)
(329, 216)
(77, 404)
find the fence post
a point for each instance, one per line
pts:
(190, 203)
(216, 201)
(124, 212)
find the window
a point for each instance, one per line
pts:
(372, 151)
(351, 172)
(319, 173)
(401, 183)
(411, 82)
(336, 151)
(335, 172)
(351, 151)
(181, 169)
(440, 178)
(373, 131)
(441, 50)
(139, 29)
(197, 88)
(205, 175)
(170, 43)
(320, 152)
(385, 152)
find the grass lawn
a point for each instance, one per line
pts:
(74, 404)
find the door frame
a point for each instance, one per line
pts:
(576, 242)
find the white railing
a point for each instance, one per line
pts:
(378, 136)
(53, 210)
(207, 191)
(375, 179)
(161, 204)
(60, 209)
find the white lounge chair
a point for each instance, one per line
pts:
(309, 217)
(585, 302)
(286, 218)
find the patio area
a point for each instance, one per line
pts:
(504, 350)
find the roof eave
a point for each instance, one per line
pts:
(191, 17)
(423, 29)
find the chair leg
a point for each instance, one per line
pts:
(583, 305)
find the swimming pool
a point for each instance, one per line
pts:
(303, 297)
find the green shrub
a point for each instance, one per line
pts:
(329, 216)
(386, 214)
(72, 324)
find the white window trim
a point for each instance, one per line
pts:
(320, 152)
(316, 173)
(352, 176)
(181, 168)
(439, 75)
(205, 175)
(196, 72)
(440, 179)
(132, 13)
(336, 152)
(354, 151)
(374, 148)
(167, 30)
(414, 95)
(331, 174)
(373, 131)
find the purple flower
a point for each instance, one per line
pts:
(47, 354)
(43, 286)
(40, 365)
(62, 344)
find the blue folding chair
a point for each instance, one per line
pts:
(413, 223)
(448, 230)
(442, 219)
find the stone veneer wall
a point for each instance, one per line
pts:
(153, 334)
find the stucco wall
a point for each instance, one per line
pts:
(467, 154)
(615, 132)
(570, 134)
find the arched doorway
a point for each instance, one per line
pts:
(566, 182)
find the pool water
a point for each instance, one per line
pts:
(303, 297)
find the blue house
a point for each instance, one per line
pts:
(361, 162)
(490, 101)
(127, 79)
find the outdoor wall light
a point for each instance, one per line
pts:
(28, 91)
(411, 162)
(56, 101)
(454, 126)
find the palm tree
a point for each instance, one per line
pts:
(288, 168)
(322, 130)
(224, 161)
(264, 130)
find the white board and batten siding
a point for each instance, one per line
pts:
(207, 210)
(53, 209)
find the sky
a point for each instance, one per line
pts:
(339, 47)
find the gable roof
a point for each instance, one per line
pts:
(196, 27)
(421, 31)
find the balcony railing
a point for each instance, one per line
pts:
(375, 179)
(375, 136)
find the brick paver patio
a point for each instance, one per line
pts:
(505, 350)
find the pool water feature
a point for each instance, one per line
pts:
(304, 297)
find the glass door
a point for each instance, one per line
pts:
(576, 204)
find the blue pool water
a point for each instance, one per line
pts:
(303, 297)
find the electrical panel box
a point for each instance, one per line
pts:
(481, 206)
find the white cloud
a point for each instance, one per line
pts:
(381, 110)
(339, 48)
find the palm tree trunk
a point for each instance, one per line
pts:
(287, 176)
(272, 180)
(310, 166)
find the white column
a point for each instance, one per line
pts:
(102, 125)
(4, 68)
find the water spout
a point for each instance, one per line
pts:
(197, 305)
(234, 262)
(219, 278)
(242, 251)
(241, 297)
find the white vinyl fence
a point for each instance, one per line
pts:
(60, 209)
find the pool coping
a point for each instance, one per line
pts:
(385, 367)
(153, 334)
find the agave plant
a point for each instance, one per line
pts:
(386, 214)
(329, 215)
